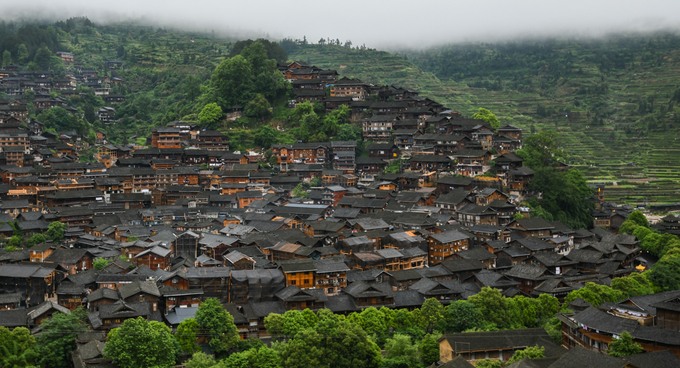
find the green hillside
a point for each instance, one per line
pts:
(613, 101)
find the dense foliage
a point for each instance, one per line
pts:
(624, 345)
(58, 338)
(140, 343)
(218, 325)
(564, 194)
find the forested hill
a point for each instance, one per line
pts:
(614, 100)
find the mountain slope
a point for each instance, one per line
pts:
(612, 101)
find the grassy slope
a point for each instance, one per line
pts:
(603, 152)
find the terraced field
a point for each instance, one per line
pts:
(637, 159)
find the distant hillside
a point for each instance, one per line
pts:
(614, 101)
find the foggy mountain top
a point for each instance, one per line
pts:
(377, 24)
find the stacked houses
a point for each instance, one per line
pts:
(183, 218)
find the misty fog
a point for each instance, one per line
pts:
(378, 24)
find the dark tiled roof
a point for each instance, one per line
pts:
(656, 359)
(579, 357)
(461, 265)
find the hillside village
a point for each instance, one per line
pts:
(433, 211)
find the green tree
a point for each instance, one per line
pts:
(633, 285)
(639, 218)
(58, 338)
(489, 117)
(431, 312)
(263, 357)
(554, 329)
(17, 347)
(15, 241)
(186, 335)
(293, 322)
(460, 316)
(624, 346)
(300, 192)
(55, 231)
(346, 133)
(488, 363)
(641, 232)
(316, 182)
(29, 95)
(42, 58)
(399, 350)
(665, 274)
(628, 227)
(541, 150)
(13, 356)
(394, 167)
(210, 114)
(565, 195)
(337, 344)
(265, 136)
(311, 128)
(429, 349)
(218, 324)
(140, 343)
(100, 263)
(595, 294)
(335, 119)
(88, 113)
(192, 87)
(201, 360)
(258, 108)
(6, 58)
(546, 307)
(22, 54)
(493, 306)
(231, 82)
(372, 321)
(532, 352)
(274, 325)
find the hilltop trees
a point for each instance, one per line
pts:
(240, 78)
(274, 50)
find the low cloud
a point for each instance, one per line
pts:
(377, 24)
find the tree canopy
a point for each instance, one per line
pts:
(240, 78)
(17, 348)
(624, 345)
(140, 343)
(565, 194)
(210, 114)
(58, 338)
(487, 116)
(218, 324)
